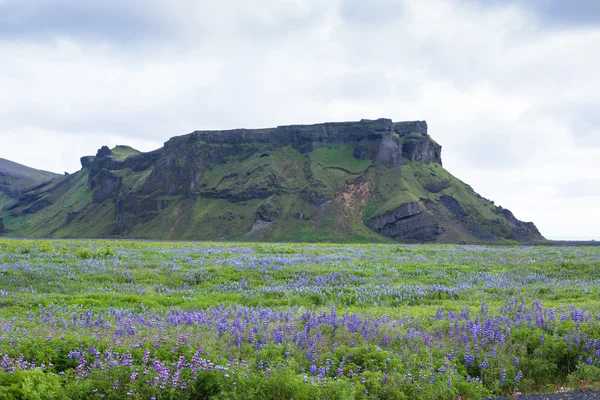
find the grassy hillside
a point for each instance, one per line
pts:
(16, 179)
(4, 200)
(122, 152)
(214, 187)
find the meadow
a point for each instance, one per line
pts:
(185, 320)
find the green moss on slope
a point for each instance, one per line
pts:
(122, 152)
(4, 200)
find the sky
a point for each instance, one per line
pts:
(509, 88)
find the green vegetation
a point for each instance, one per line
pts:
(338, 157)
(122, 152)
(4, 200)
(183, 320)
(264, 191)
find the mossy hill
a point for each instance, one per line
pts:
(372, 180)
(16, 179)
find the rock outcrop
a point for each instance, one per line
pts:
(522, 231)
(407, 222)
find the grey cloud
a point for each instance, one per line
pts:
(554, 13)
(108, 20)
(585, 125)
(360, 85)
(173, 23)
(371, 12)
(580, 188)
(582, 121)
(490, 152)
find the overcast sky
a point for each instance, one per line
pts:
(509, 88)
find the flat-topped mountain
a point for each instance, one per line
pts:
(372, 180)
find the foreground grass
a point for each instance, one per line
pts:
(142, 320)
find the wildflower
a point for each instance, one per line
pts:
(519, 376)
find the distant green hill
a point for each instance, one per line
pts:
(15, 179)
(372, 180)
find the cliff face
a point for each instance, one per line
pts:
(370, 180)
(187, 157)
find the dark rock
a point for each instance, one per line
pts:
(260, 226)
(104, 185)
(268, 211)
(304, 138)
(523, 231)
(162, 204)
(366, 149)
(454, 206)
(437, 186)
(37, 206)
(407, 222)
(408, 127)
(122, 226)
(390, 150)
(300, 215)
(315, 196)
(422, 149)
(87, 161)
(465, 219)
(2, 229)
(71, 215)
(103, 152)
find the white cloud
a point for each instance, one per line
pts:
(512, 102)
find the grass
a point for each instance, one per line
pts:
(183, 320)
(122, 152)
(338, 156)
(5, 200)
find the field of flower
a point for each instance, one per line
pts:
(144, 320)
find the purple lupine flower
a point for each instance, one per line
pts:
(519, 376)
(469, 359)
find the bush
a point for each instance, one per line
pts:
(83, 253)
(584, 377)
(31, 385)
